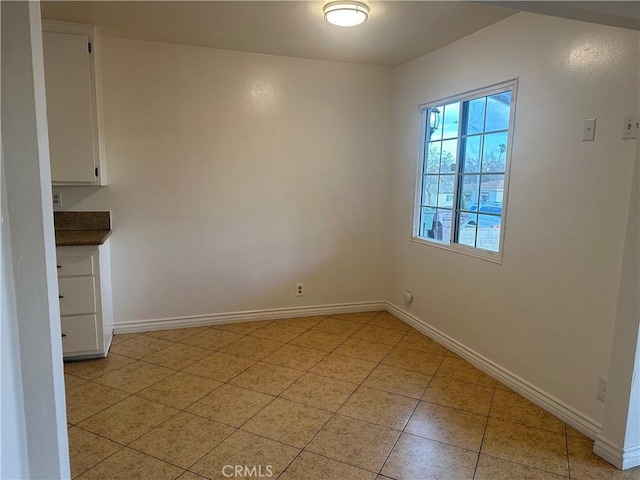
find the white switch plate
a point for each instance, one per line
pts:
(57, 199)
(589, 131)
(631, 127)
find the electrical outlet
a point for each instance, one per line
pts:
(602, 390)
(589, 130)
(299, 289)
(57, 198)
(631, 127)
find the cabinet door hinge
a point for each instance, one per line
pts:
(89, 47)
(96, 171)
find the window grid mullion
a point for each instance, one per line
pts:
(483, 133)
(481, 166)
(457, 187)
(501, 172)
(423, 189)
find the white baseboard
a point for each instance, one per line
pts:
(576, 419)
(247, 316)
(623, 458)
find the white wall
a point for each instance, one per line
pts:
(547, 313)
(33, 288)
(14, 462)
(233, 176)
(619, 441)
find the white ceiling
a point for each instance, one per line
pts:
(396, 32)
(624, 14)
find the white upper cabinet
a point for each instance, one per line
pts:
(72, 87)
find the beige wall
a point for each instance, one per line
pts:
(547, 313)
(233, 176)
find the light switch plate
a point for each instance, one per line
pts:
(631, 127)
(589, 131)
(57, 199)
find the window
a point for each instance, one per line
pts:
(463, 171)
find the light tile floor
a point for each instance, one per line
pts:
(352, 396)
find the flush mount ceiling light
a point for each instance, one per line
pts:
(346, 14)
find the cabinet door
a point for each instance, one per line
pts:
(79, 334)
(67, 70)
(77, 295)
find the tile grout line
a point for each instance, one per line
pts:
(351, 335)
(262, 360)
(484, 432)
(108, 456)
(333, 414)
(227, 382)
(135, 394)
(489, 416)
(278, 396)
(163, 422)
(130, 447)
(526, 466)
(566, 445)
(270, 402)
(412, 413)
(349, 397)
(307, 371)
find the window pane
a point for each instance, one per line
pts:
(464, 169)
(475, 116)
(430, 190)
(427, 216)
(471, 160)
(498, 110)
(432, 157)
(491, 194)
(442, 225)
(469, 192)
(445, 191)
(494, 152)
(434, 123)
(451, 119)
(467, 229)
(488, 236)
(448, 158)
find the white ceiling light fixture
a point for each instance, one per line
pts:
(346, 14)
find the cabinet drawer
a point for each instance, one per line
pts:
(77, 295)
(80, 334)
(75, 265)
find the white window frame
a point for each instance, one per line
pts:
(491, 256)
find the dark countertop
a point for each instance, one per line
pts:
(82, 220)
(81, 228)
(68, 238)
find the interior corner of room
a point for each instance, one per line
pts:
(199, 178)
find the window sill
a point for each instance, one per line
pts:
(475, 253)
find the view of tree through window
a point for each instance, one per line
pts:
(464, 168)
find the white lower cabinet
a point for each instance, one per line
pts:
(79, 295)
(84, 286)
(79, 334)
